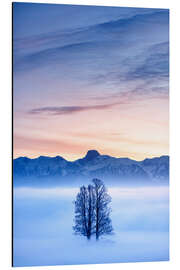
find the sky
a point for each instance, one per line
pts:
(88, 77)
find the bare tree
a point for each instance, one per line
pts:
(102, 210)
(84, 216)
(92, 213)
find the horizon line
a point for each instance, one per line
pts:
(86, 154)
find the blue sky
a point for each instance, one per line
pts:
(98, 76)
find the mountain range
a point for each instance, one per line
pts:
(92, 165)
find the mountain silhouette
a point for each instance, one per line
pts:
(92, 165)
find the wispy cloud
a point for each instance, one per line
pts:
(62, 110)
(154, 63)
(144, 74)
(89, 42)
(107, 67)
(72, 35)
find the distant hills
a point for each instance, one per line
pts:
(92, 165)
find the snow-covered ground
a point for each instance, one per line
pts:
(43, 220)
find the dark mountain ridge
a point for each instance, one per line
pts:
(92, 165)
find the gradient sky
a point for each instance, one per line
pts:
(89, 77)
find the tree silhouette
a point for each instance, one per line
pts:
(92, 213)
(84, 212)
(102, 210)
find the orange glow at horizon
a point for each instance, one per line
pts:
(138, 133)
(100, 81)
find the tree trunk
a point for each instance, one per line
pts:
(89, 214)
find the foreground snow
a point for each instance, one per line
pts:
(43, 227)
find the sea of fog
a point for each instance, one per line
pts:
(43, 220)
